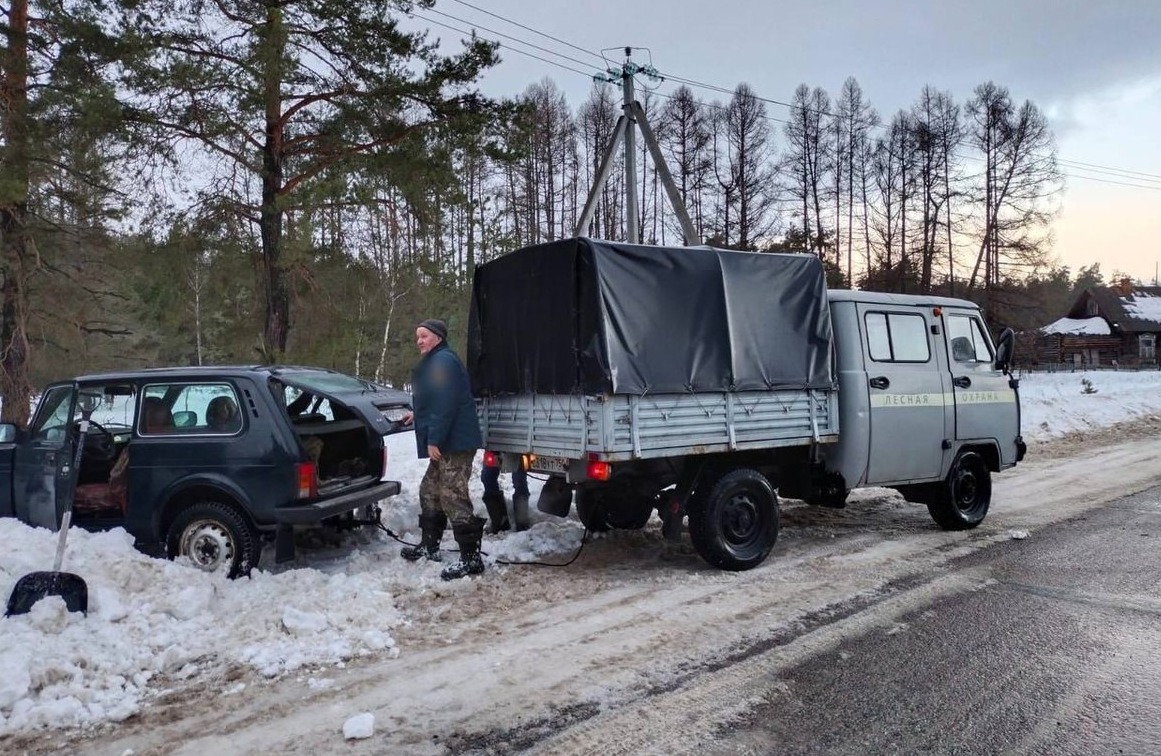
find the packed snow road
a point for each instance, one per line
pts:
(637, 647)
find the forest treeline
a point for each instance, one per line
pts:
(213, 181)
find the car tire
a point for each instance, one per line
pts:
(734, 525)
(964, 498)
(214, 536)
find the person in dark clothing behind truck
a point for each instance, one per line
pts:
(447, 433)
(496, 504)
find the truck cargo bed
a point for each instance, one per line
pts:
(624, 427)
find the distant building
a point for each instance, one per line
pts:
(1107, 325)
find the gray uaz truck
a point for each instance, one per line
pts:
(703, 383)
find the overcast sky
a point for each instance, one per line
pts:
(1093, 66)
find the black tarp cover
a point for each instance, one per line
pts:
(596, 317)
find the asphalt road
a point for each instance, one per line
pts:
(1053, 647)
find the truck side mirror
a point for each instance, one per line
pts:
(1004, 350)
(7, 433)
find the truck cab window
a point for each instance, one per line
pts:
(897, 337)
(967, 340)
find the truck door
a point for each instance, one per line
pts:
(43, 460)
(985, 404)
(908, 422)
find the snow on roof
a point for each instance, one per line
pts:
(1143, 306)
(1096, 326)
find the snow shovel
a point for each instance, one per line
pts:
(70, 587)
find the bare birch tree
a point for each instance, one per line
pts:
(686, 137)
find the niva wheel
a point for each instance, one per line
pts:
(967, 493)
(735, 524)
(213, 536)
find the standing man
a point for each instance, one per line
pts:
(448, 433)
(496, 504)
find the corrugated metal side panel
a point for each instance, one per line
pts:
(551, 424)
(630, 427)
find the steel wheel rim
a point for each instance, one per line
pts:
(966, 487)
(970, 487)
(208, 544)
(741, 520)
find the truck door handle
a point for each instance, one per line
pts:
(962, 381)
(880, 382)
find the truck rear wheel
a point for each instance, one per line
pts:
(735, 524)
(214, 536)
(966, 495)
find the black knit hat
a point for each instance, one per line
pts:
(436, 326)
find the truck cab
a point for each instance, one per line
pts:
(926, 402)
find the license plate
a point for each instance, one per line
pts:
(550, 464)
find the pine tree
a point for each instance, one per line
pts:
(263, 97)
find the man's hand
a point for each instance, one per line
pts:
(434, 453)
(408, 418)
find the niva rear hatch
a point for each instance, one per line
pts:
(342, 423)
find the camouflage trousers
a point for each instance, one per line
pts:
(444, 487)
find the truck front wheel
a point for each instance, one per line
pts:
(735, 524)
(214, 536)
(966, 495)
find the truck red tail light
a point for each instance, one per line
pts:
(599, 470)
(383, 469)
(307, 480)
(490, 459)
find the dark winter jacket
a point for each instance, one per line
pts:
(441, 396)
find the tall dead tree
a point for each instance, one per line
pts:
(1018, 184)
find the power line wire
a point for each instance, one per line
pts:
(1110, 181)
(500, 34)
(1076, 165)
(1105, 168)
(416, 15)
(529, 28)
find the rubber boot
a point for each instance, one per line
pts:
(432, 526)
(520, 511)
(497, 512)
(467, 535)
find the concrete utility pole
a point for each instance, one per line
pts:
(631, 231)
(633, 113)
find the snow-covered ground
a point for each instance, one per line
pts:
(153, 623)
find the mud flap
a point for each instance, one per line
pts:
(284, 543)
(672, 513)
(555, 497)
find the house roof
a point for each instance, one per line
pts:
(1133, 309)
(1095, 326)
